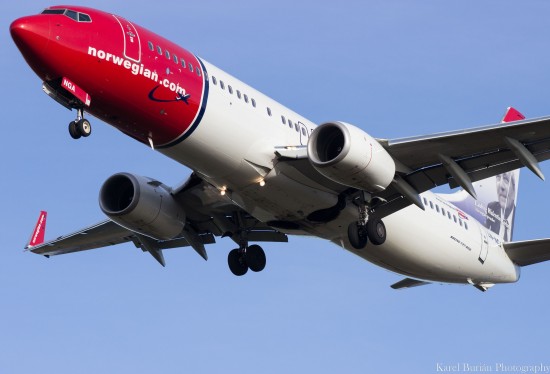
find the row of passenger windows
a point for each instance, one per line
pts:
(240, 95)
(175, 58)
(445, 213)
(243, 96)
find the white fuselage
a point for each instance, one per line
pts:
(233, 148)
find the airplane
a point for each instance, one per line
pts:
(262, 172)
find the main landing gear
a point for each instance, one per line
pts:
(80, 127)
(242, 259)
(366, 228)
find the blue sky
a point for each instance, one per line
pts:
(394, 68)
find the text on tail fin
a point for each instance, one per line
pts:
(37, 236)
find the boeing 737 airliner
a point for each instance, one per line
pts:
(262, 172)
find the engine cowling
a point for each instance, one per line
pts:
(142, 205)
(350, 156)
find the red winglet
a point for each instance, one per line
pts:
(37, 236)
(512, 115)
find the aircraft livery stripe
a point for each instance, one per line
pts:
(198, 119)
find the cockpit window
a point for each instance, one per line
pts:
(53, 11)
(82, 17)
(72, 14)
(79, 17)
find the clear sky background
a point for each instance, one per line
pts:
(394, 68)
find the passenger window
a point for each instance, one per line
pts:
(283, 119)
(460, 221)
(190, 67)
(230, 89)
(269, 111)
(214, 80)
(296, 127)
(443, 211)
(238, 94)
(425, 202)
(198, 71)
(151, 46)
(167, 54)
(245, 98)
(159, 50)
(437, 208)
(290, 123)
(431, 205)
(182, 63)
(303, 131)
(465, 225)
(175, 59)
(449, 214)
(222, 85)
(454, 217)
(254, 103)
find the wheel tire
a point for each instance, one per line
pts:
(376, 231)
(84, 127)
(357, 236)
(73, 130)
(255, 258)
(236, 263)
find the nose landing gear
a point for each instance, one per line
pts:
(80, 127)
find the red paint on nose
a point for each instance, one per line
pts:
(31, 35)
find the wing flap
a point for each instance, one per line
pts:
(528, 252)
(421, 151)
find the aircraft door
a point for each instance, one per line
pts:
(132, 44)
(484, 245)
(304, 133)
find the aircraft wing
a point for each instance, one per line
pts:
(528, 252)
(209, 215)
(457, 158)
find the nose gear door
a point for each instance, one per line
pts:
(484, 245)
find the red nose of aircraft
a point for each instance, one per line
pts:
(31, 35)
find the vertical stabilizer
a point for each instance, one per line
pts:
(495, 207)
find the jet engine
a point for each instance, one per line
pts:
(350, 156)
(142, 205)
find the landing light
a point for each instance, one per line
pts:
(262, 183)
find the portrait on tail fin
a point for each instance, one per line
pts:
(495, 207)
(501, 212)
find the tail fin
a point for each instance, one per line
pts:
(495, 207)
(37, 236)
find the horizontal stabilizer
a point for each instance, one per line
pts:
(408, 283)
(528, 252)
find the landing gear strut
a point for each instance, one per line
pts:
(366, 227)
(242, 259)
(80, 127)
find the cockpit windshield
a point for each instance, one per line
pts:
(79, 17)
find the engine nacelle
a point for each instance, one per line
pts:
(142, 205)
(350, 156)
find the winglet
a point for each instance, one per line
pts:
(37, 236)
(511, 115)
